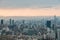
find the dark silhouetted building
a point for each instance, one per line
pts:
(48, 23)
(2, 21)
(10, 21)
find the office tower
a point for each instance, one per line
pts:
(58, 33)
(55, 22)
(10, 21)
(48, 23)
(55, 27)
(43, 22)
(23, 21)
(1, 21)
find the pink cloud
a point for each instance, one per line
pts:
(30, 12)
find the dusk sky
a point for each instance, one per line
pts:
(29, 7)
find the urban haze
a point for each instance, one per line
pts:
(30, 28)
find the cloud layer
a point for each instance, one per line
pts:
(28, 3)
(30, 12)
(29, 7)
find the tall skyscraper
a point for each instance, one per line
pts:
(1, 21)
(23, 21)
(55, 27)
(55, 22)
(58, 33)
(48, 23)
(10, 21)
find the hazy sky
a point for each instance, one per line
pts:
(28, 3)
(29, 7)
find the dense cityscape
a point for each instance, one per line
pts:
(30, 28)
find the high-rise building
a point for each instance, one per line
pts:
(23, 21)
(55, 27)
(48, 23)
(2, 21)
(55, 23)
(10, 22)
(58, 34)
